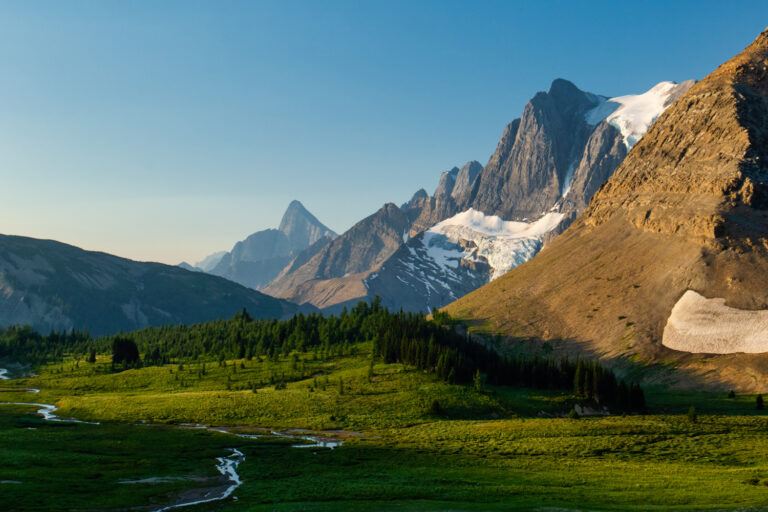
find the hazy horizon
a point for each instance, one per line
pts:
(169, 131)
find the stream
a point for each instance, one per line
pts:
(227, 466)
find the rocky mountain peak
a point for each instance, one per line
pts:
(301, 227)
(705, 153)
(465, 181)
(446, 183)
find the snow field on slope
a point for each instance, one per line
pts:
(633, 114)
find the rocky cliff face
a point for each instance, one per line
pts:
(685, 211)
(534, 160)
(53, 286)
(257, 260)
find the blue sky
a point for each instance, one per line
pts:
(168, 130)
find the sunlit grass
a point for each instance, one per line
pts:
(498, 448)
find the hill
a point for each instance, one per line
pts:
(54, 286)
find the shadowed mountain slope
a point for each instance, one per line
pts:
(51, 285)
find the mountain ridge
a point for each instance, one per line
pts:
(51, 285)
(684, 211)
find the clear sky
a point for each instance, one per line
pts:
(165, 131)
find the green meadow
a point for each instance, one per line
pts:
(411, 441)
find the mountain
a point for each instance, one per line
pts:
(209, 262)
(301, 228)
(334, 274)
(483, 221)
(455, 257)
(51, 285)
(257, 260)
(669, 262)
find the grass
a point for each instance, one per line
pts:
(224, 395)
(499, 449)
(64, 466)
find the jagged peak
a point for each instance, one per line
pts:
(301, 227)
(472, 165)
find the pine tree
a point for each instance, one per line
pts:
(479, 381)
(578, 378)
(692, 416)
(759, 402)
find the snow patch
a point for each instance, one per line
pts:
(633, 114)
(707, 326)
(568, 178)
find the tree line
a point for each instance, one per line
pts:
(434, 346)
(431, 345)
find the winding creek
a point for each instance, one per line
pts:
(226, 466)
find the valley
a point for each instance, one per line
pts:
(484, 450)
(577, 323)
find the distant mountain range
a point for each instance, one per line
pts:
(668, 265)
(54, 286)
(482, 221)
(257, 260)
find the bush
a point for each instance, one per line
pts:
(573, 414)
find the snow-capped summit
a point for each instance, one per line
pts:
(633, 114)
